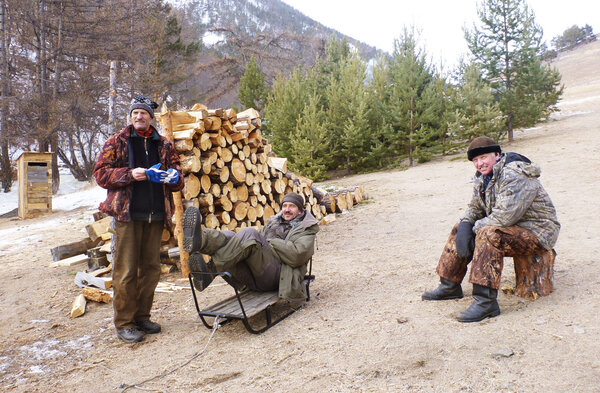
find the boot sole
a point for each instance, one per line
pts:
(191, 224)
(423, 297)
(490, 315)
(196, 264)
(131, 340)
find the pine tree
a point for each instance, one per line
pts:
(343, 93)
(476, 113)
(286, 101)
(309, 141)
(410, 74)
(253, 90)
(507, 44)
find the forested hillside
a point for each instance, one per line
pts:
(57, 57)
(232, 31)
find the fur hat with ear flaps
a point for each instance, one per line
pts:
(482, 145)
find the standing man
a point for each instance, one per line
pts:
(510, 214)
(140, 169)
(273, 259)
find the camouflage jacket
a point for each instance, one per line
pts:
(514, 196)
(113, 172)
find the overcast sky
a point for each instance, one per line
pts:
(379, 22)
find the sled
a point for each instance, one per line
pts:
(245, 304)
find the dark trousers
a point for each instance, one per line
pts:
(492, 244)
(246, 255)
(136, 270)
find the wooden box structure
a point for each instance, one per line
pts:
(35, 184)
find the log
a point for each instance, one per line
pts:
(85, 280)
(71, 249)
(190, 163)
(224, 217)
(250, 113)
(242, 192)
(340, 204)
(240, 210)
(166, 121)
(221, 174)
(203, 142)
(71, 261)
(183, 145)
(205, 200)
(78, 307)
(534, 274)
(238, 171)
(205, 183)
(224, 202)
(183, 135)
(95, 295)
(96, 229)
(191, 187)
(211, 221)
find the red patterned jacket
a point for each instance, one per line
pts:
(112, 172)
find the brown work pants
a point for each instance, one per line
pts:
(136, 270)
(492, 244)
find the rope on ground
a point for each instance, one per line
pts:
(126, 387)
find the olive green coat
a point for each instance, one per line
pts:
(294, 253)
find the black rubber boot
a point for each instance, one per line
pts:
(192, 231)
(445, 291)
(484, 305)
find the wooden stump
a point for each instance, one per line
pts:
(534, 274)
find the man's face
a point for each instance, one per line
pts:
(140, 120)
(289, 211)
(484, 163)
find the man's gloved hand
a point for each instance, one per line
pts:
(172, 176)
(465, 240)
(156, 175)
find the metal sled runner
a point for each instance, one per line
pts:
(245, 304)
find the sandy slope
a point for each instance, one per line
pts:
(366, 328)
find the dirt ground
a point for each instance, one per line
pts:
(366, 328)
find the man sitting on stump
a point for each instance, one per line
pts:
(273, 258)
(510, 214)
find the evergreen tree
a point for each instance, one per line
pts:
(437, 104)
(343, 94)
(476, 112)
(286, 101)
(253, 90)
(507, 45)
(309, 141)
(378, 97)
(410, 75)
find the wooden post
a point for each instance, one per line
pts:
(165, 120)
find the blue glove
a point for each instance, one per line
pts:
(156, 175)
(172, 176)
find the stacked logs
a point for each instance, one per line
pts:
(231, 173)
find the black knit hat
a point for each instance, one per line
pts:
(145, 103)
(296, 199)
(482, 145)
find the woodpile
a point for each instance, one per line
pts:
(232, 175)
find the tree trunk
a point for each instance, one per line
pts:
(5, 167)
(112, 98)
